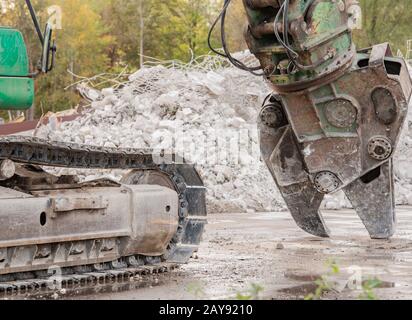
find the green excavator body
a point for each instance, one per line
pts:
(16, 84)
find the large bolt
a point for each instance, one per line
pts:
(272, 116)
(341, 113)
(7, 169)
(326, 182)
(380, 148)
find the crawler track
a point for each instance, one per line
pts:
(183, 177)
(79, 283)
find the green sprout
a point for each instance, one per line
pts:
(368, 288)
(252, 294)
(324, 284)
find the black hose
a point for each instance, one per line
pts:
(284, 41)
(35, 21)
(237, 63)
(209, 38)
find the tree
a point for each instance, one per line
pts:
(106, 35)
(169, 30)
(383, 21)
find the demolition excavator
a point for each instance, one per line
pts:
(93, 231)
(332, 123)
(336, 114)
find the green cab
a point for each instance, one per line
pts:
(16, 84)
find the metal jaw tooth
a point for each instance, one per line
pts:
(283, 159)
(304, 207)
(377, 210)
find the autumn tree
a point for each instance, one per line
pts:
(383, 21)
(107, 35)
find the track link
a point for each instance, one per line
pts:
(80, 282)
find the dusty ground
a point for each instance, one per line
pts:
(269, 250)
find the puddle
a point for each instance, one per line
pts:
(302, 290)
(221, 222)
(302, 277)
(387, 285)
(80, 292)
(310, 288)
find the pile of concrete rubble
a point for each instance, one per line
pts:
(208, 112)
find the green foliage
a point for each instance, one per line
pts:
(385, 21)
(253, 293)
(82, 43)
(107, 35)
(368, 288)
(172, 29)
(197, 290)
(81, 48)
(324, 283)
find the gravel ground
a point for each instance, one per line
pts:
(268, 250)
